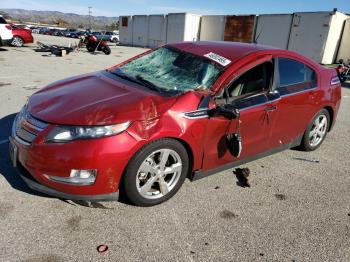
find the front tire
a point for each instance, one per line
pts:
(17, 41)
(155, 173)
(316, 132)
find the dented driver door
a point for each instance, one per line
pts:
(252, 125)
(247, 92)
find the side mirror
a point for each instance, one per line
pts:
(227, 111)
(273, 95)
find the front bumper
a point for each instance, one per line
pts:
(37, 160)
(34, 185)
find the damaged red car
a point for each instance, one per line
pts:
(21, 36)
(185, 110)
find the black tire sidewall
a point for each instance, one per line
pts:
(129, 177)
(107, 50)
(306, 141)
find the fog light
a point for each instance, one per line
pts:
(77, 177)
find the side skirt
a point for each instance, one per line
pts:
(199, 174)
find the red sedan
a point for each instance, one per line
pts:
(21, 36)
(185, 110)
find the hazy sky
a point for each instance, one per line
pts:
(131, 7)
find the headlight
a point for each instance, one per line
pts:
(61, 134)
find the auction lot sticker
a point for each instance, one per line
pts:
(219, 59)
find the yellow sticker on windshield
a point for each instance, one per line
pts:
(219, 59)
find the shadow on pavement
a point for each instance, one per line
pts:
(346, 84)
(6, 168)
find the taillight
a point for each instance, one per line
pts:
(335, 81)
(8, 27)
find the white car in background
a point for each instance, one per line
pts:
(114, 37)
(5, 32)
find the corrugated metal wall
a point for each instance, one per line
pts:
(313, 34)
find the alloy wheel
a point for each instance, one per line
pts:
(17, 41)
(318, 130)
(158, 174)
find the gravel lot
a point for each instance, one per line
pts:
(295, 210)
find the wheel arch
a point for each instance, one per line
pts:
(185, 144)
(330, 111)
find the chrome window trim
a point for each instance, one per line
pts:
(299, 92)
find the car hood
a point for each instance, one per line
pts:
(96, 99)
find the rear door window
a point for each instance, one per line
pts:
(295, 76)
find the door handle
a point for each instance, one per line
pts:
(271, 108)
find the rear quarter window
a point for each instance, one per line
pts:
(295, 76)
(291, 72)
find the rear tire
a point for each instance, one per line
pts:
(155, 173)
(90, 48)
(316, 132)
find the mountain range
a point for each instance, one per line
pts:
(59, 18)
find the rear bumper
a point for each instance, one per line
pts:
(34, 185)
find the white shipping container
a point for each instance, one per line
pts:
(273, 30)
(182, 27)
(317, 35)
(156, 30)
(212, 28)
(140, 30)
(344, 47)
(125, 30)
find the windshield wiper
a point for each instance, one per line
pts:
(136, 79)
(148, 84)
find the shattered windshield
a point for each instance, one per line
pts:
(173, 70)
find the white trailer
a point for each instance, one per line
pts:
(273, 30)
(182, 27)
(125, 30)
(344, 47)
(212, 28)
(140, 30)
(317, 35)
(156, 30)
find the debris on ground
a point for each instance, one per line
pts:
(55, 50)
(102, 249)
(227, 214)
(4, 84)
(90, 204)
(307, 160)
(242, 175)
(217, 187)
(85, 203)
(31, 87)
(280, 196)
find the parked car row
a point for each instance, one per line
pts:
(75, 33)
